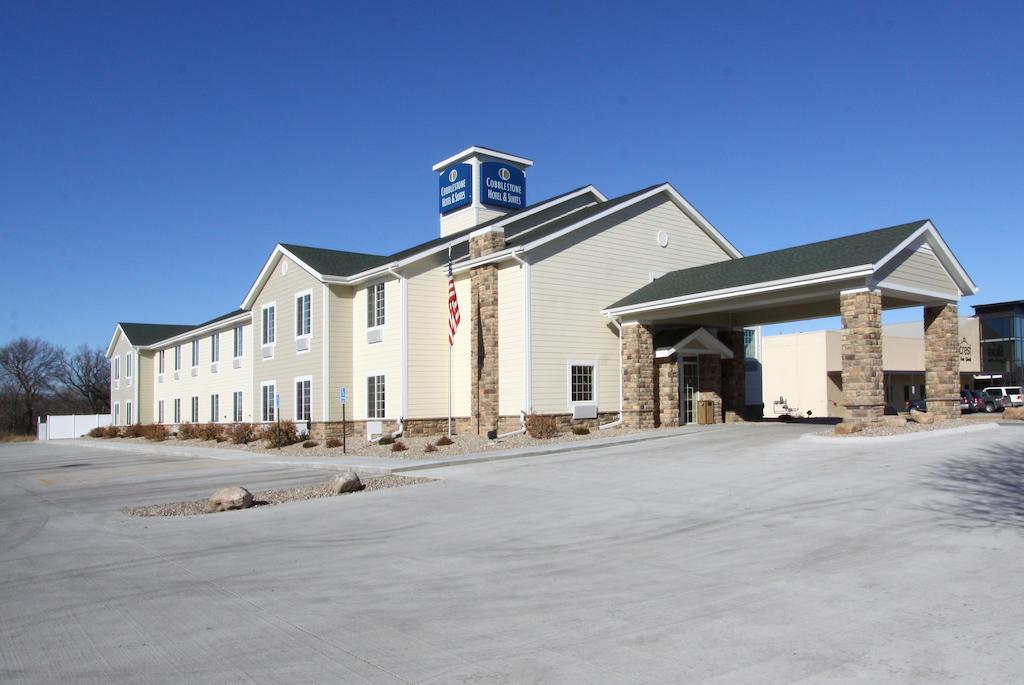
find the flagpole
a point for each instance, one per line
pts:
(450, 343)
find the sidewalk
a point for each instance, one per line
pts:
(382, 466)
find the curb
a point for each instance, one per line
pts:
(909, 437)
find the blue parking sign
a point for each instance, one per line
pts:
(344, 396)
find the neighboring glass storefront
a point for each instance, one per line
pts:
(1002, 342)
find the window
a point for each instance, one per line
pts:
(214, 408)
(117, 413)
(375, 397)
(238, 342)
(269, 315)
(195, 353)
(267, 391)
(303, 314)
(195, 409)
(303, 399)
(160, 361)
(375, 305)
(160, 411)
(177, 357)
(128, 366)
(236, 401)
(749, 343)
(117, 368)
(215, 347)
(177, 410)
(581, 383)
(128, 413)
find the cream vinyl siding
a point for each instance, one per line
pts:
(340, 350)
(458, 220)
(287, 363)
(510, 339)
(795, 367)
(123, 391)
(575, 277)
(146, 408)
(384, 356)
(919, 268)
(225, 382)
(428, 341)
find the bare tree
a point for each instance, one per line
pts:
(31, 366)
(85, 376)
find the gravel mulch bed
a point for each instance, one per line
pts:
(914, 427)
(261, 498)
(358, 446)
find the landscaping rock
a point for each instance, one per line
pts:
(345, 482)
(847, 427)
(1015, 413)
(921, 417)
(895, 421)
(233, 497)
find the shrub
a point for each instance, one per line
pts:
(429, 448)
(280, 435)
(155, 432)
(133, 430)
(310, 443)
(98, 432)
(240, 433)
(209, 431)
(112, 432)
(541, 427)
(386, 439)
(398, 446)
(580, 430)
(188, 431)
(444, 440)
(333, 442)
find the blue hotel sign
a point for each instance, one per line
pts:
(503, 185)
(456, 187)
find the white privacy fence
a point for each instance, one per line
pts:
(73, 426)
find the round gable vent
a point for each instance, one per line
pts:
(284, 267)
(663, 238)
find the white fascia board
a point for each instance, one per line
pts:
(899, 289)
(278, 251)
(113, 340)
(704, 337)
(199, 332)
(701, 221)
(483, 152)
(739, 291)
(941, 250)
(494, 257)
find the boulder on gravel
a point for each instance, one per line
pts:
(233, 497)
(921, 417)
(1016, 413)
(847, 427)
(895, 422)
(346, 481)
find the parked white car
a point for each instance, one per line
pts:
(1012, 393)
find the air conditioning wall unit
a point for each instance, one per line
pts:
(195, 371)
(237, 363)
(177, 375)
(584, 411)
(159, 378)
(374, 335)
(374, 428)
(268, 351)
(215, 367)
(302, 344)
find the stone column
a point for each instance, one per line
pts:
(942, 361)
(637, 376)
(863, 390)
(484, 330)
(709, 375)
(667, 380)
(734, 376)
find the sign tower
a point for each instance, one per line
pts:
(479, 184)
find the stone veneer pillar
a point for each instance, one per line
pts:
(709, 374)
(667, 379)
(942, 361)
(484, 330)
(637, 376)
(734, 376)
(863, 389)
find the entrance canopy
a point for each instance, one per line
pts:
(909, 264)
(700, 341)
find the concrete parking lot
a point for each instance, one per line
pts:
(741, 555)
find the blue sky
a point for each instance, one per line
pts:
(151, 155)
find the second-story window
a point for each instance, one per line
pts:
(269, 323)
(195, 353)
(160, 363)
(375, 305)
(128, 365)
(303, 314)
(238, 342)
(215, 347)
(177, 359)
(117, 368)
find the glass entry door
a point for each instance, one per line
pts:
(688, 394)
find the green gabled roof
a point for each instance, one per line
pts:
(142, 334)
(222, 317)
(335, 262)
(803, 260)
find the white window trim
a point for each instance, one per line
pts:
(128, 407)
(264, 384)
(306, 336)
(237, 332)
(117, 414)
(160, 413)
(241, 412)
(271, 345)
(195, 409)
(369, 287)
(161, 362)
(129, 371)
(366, 404)
(116, 364)
(176, 410)
(197, 353)
(215, 336)
(296, 381)
(568, 382)
(214, 418)
(177, 357)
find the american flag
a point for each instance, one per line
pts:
(453, 306)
